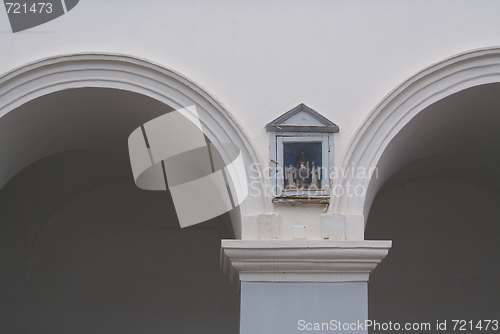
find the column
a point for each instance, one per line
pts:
(296, 286)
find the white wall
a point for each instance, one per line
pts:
(263, 58)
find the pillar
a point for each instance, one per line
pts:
(296, 286)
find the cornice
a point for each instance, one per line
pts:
(301, 260)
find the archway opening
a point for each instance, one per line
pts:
(441, 207)
(83, 249)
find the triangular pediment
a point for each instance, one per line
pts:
(302, 118)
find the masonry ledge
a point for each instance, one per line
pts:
(301, 260)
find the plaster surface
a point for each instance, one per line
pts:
(258, 61)
(277, 308)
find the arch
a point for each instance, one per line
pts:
(440, 206)
(129, 73)
(449, 76)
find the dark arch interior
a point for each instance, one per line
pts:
(82, 249)
(441, 208)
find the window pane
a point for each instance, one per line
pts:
(301, 162)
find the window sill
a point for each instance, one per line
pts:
(298, 200)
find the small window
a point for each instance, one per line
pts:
(301, 148)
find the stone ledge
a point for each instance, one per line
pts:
(301, 260)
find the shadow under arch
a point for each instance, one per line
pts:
(128, 73)
(398, 108)
(441, 209)
(105, 254)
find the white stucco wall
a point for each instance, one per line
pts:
(260, 59)
(263, 58)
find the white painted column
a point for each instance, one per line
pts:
(289, 286)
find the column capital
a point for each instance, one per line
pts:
(301, 260)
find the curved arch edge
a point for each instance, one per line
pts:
(127, 72)
(396, 109)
